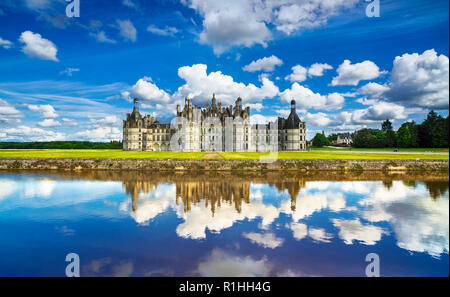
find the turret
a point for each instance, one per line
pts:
(213, 101)
(136, 105)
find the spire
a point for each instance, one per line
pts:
(136, 105)
(213, 101)
(293, 120)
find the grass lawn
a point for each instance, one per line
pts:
(119, 154)
(333, 156)
(103, 154)
(411, 150)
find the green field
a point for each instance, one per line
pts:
(102, 154)
(334, 156)
(119, 154)
(410, 150)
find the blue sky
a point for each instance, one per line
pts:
(67, 78)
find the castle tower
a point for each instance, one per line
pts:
(136, 105)
(213, 101)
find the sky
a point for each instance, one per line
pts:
(69, 77)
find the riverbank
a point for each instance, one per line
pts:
(303, 155)
(223, 164)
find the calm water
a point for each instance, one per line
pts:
(160, 224)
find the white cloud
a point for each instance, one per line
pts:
(36, 46)
(127, 30)
(420, 223)
(69, 122)
(266, 64)
(319, 234)
(154, 203)
(198, 219)
(149, 92)
(319, 119)
(108, 121)
(6, 44)
(352, 74)
(166, 31)
(68, 71)
(8, 112)
(299, 230)
(25, 133)
(350, 230)
(256, 106)
(305, 98)
(247, 22)
(227, 24)
(101, 37)
(221, 264)
(295, 15)
(266, 240)
(49, 123)
(298, 74)
(129, 3)
(101, 134)
(200, 85)
(420, 80)
(308, 204)
(317, 69)
(374, 90)
(259, 119)
(46, 111)
(37, 4)
(376, 113)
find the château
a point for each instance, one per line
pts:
(213, 128)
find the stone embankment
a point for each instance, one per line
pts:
(224, 165)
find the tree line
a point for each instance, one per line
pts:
(61, 145)
(431, 133)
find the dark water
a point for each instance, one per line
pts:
(163, 224)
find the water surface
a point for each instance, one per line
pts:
(272, 224)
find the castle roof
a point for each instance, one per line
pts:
(293, 120)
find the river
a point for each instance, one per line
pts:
(223, 224)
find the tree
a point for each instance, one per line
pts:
(433, 132)
(386, 126)
(320, 140)
(332, 137)
(361, 138)
(404, 135)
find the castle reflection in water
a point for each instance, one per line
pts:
(215, 189)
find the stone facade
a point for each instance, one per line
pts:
(256, 165)
(213, 128)
(344, 139)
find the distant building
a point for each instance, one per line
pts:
(344, 139)
(213, 128)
